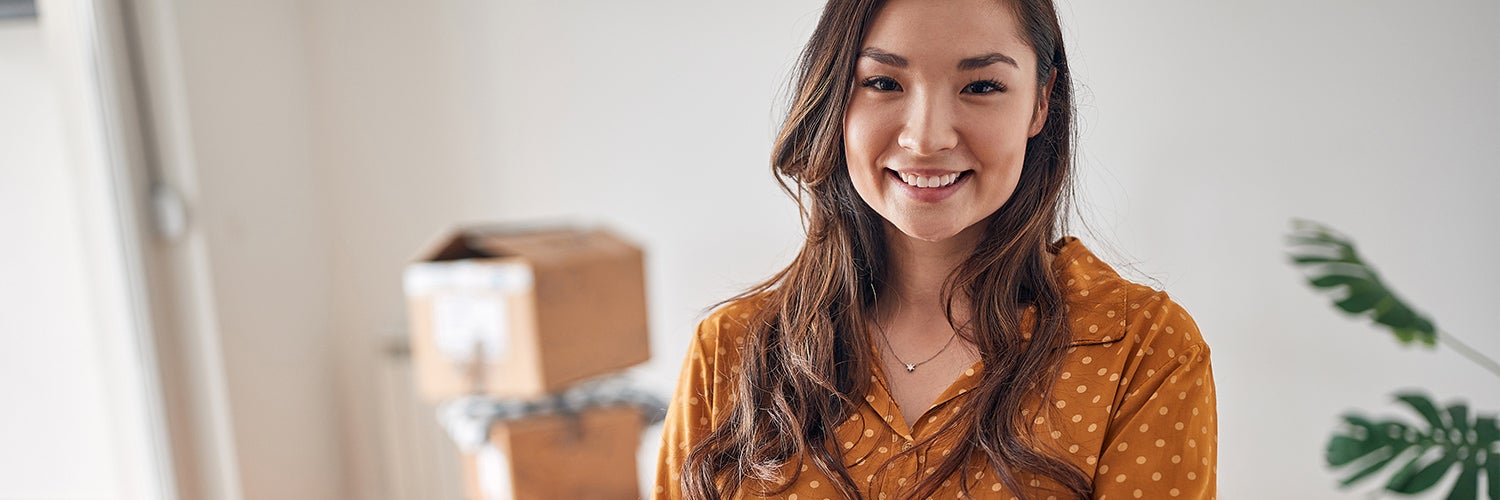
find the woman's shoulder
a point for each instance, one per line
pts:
(1107, 308)
(1154, 321)
(728, 323)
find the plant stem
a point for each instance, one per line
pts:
(1469, 352)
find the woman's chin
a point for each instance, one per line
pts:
(931, 233)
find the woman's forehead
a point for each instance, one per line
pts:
(945, 32)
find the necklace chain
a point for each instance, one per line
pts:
(910, 367)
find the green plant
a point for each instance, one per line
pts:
(1450, 438)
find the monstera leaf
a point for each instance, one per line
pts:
(1331, 262)
(1421, 455)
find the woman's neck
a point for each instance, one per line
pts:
(917, 269)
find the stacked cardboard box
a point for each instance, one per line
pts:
(524, 314)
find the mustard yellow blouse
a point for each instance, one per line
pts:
(1134, 406)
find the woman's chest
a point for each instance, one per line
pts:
(915, 389)
(888, 449)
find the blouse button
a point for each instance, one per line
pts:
(906, 446)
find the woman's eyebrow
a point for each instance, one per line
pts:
(883, 57)
(986, 60)
(971, 63)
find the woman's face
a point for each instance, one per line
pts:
(945, 97)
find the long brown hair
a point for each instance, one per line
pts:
(806, 361)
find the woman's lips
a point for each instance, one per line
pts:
(936, 190)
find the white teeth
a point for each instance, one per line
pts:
(928, 182)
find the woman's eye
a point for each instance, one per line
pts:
(985, 87)
(881, 83)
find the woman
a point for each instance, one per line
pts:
(935, 336)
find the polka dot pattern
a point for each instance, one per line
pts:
(1133, 406)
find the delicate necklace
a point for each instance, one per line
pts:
(910, 367)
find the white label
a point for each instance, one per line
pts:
(466, 324)
(429, 277)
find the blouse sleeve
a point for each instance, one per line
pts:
(689, 414)
(1163, 439)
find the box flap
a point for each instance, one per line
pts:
(541, 240)
(554, 245)
(449, 244)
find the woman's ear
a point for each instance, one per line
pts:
(1039, 114)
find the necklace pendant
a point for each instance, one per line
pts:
(911, 368)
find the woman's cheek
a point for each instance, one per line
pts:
(869, 128)
(860, 139)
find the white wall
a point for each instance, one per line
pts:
(337, 137)
(56, 430)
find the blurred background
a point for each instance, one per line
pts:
(207, 206)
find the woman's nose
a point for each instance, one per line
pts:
(930, 126)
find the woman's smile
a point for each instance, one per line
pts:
(928, 186)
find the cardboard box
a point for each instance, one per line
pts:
(516, 312)
(591, 455)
